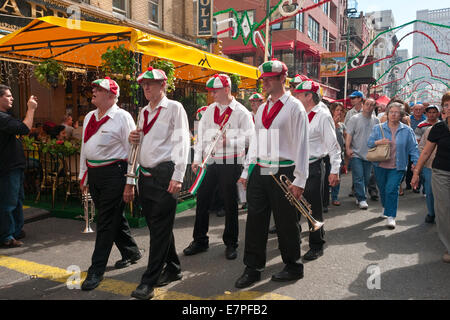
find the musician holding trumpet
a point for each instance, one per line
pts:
(163, 135)
(222, 134)
(278, 147)
(103, 166)
(322, 142)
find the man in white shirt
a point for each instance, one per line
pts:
(163, 132)
(322, 143)
(103, 166)
(279, 146)
(225, 166)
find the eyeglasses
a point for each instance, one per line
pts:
(395, 112)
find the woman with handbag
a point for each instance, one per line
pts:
(390, 170)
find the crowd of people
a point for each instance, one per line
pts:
(292, 137)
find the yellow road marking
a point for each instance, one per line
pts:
(123, 288)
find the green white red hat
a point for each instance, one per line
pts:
(152, 74)
(108, 84)
(256, 96)
(309, 86)
(272, 68)
(218, 81)
(298, 78)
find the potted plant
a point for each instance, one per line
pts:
(50, 73)
(169, 68)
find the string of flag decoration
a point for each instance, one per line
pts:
(252, 32)
(356, 63)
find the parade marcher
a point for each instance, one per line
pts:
(295, 81)
(12, 166)
(103, 165)
(390, 172)
(439, 138)
(358, 130)
(225, 166)
(322, 143)
(162, 159)
(256, 100)
(279, 146)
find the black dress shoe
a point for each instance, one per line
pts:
(287, 276)
(143, 292)
(230, 253)
(429, 219)
(313, 254)
(127, 261)
(248, 278)
(92, 281)
(167, 277)
(195, 248)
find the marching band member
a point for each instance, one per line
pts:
(225, 168)
(163, 159)
(295, 81)
(103, 166)
(322, 142)
(255, 102)
(279, 146)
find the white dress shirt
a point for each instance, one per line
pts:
(111, 139)
(286, 138)
(241, 128)
(168, 139)
(322, 139)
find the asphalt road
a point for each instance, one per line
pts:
(362, 260)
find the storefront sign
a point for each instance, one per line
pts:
(331, 63)
(205, 18)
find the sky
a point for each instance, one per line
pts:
(404, 11)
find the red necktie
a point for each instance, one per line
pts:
(218, 118)
(267, 118)
(93, 126)
(148, 126)
(311, 116)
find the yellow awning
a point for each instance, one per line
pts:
(81, 43)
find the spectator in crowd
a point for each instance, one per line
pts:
(439, 138)
(58, 133)
(432, 112)
(390, 173)
(12, 166)
(67, 123)
(417, 115)
(78, 129)
(358, 130)
(357, 101)
(337, 110)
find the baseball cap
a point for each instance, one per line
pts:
(438, 108)
(356, 94)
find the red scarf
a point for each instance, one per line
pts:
(148, 126)
(267, 119)
(311, 116)
(218, 118)
(93, 126)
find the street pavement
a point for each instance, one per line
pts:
(362, 260)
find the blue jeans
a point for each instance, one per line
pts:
(361, 170)
(388, 181)
(11, 200)
(335, 192)
(427, 186)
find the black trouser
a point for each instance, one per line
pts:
(326, 183)
(106, 185)
(159, 208)
(263, 197)
(226, 176)
(313, 194)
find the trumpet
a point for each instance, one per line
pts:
(302, 205)
(220, 132)
(88, 203)
(134, 154)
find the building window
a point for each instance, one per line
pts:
(299, 20)
(154, 13)
(289, 23)
(326, 8)
(313, 30)
(325, 40)
(121, 7)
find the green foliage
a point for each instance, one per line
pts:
(59, 147)
(169, 68)
(235, 82)
(50, 73)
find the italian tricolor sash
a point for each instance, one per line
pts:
(201, 172)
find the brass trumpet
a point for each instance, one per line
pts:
(88, 203)
(134, 154)
(301, 205)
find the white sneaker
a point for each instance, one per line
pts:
(363, 205)
(383, 216)
(390, 223)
